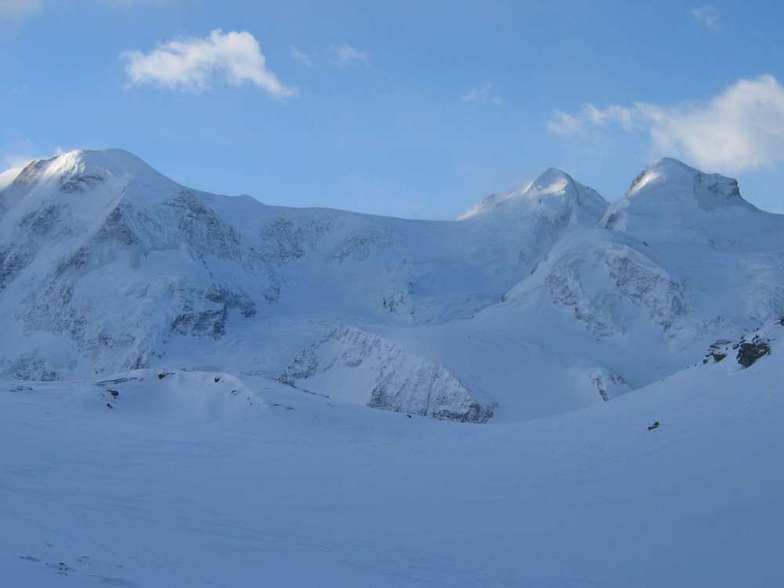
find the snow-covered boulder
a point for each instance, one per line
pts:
(179, 393)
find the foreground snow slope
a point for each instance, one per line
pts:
(306, 492)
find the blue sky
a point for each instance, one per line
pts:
(415, 109)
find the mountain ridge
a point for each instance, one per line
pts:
(533, 304)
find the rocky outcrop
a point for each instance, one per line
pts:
(749, 349)
(607, 384)
(598, 284)
(360, 367)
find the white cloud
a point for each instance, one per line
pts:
(13, 9)
(589, 118)
(301, 56)
(482, 94)
(345, 55)
(707, 17)
(741, 128)
(194, 64)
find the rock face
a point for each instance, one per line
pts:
(749, 348)
(106, 265)
(602, 283)
(750, 351)
(359, 367)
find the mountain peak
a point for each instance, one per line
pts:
(671, 179)
(83, 170)
(551, 190)
(105, 162)
(551, 182)
(672, 190)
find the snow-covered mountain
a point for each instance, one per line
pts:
(537, 301)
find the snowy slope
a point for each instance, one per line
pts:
(8, 176)
(306, 492)
(536, 302)
(678, 263)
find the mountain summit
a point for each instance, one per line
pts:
(671, 180)
(554, 193)
(672, 190)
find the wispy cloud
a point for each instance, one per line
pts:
(196, 63)
(739, 129)
(707, 17)
(590, 118)
(486, 93)
(345, 55)
(17, 9)
(301, 56)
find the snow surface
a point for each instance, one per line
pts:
(302, 491)
(8, 176)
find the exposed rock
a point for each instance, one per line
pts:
(42, 221)
(607, 384)
(748, 349)
(359, 247)
(12, 261)
(116, 228)
(750, 352)
(380, 374)
(628, 277)
(718, 351)
(31, 367)
(206, 312)
(203, 230)
(80, 182)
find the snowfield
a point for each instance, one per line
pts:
(567, 392)
(302, 491)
